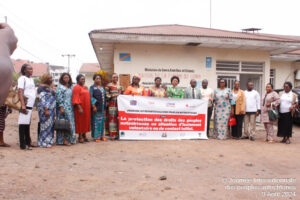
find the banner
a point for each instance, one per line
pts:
(151, 118)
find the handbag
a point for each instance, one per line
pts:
(13, 100)
(273, 114)
(62, 125)
(232, 121)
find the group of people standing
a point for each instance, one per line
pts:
(246, 106)
(90, 109)
(84, 108)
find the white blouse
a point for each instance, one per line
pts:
(286, 102)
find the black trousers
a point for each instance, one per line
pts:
(24, 135)
(238, 128)
(209, 114)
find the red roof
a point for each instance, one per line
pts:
(89, 68)
(38, 68)
(297, 52)
(183, 30)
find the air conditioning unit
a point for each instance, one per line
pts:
(297, 77)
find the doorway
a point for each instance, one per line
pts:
(255, 78)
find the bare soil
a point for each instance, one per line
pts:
(192, 169)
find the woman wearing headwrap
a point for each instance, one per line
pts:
(135, 88)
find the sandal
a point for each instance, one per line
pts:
(81, 140)
(103, 139)
(97, 140)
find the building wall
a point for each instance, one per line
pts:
(184, 58)
(284, 71)
(56, 73)
(88, 79)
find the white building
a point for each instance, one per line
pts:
(56, 71)
(199, 53)
(88, 70)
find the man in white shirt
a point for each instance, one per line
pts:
(252, 111)
(208, 93)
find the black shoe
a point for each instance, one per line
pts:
(245, 138)
(252, 138)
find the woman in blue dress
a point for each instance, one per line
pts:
(222, 110)
(97, 92)
(46, 108)
(64, 109)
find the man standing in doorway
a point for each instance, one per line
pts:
(192, 92)
(208, 93)
(252, 111)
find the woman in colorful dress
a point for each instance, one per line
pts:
(97, 93)
(271, 100)
(157, 90)
(82, 108)
(64, 109)
(174, 91)
(222, 110)
(4, 111)
(113, 90)
(135, 88)
(46, 108)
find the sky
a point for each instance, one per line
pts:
(46, 29)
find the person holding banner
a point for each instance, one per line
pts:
(175, 92)
(135, 88)
(222, 110)
(113, 90)
(157, 90)
(192, 92)
(82, 108)
(208, 94)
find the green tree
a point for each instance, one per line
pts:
(16, 77)
(37, 80)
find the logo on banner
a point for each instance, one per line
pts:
(171, 105)
(133, 102)
(122, 134)
(151, 102)
(186, 105)
(164, 135)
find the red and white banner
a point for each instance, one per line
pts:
(151, 118)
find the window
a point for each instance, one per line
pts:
(227, 66)
(252, 67)
(272, 76)
(237, 66)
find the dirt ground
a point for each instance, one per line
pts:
(193, 169)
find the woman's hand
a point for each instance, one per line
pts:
(47, 114)
(62, 112)
(232, 112)
(291, 108)
(24, 110)
(94, 109)
(80, 110)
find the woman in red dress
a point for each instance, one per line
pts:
(82, 108)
